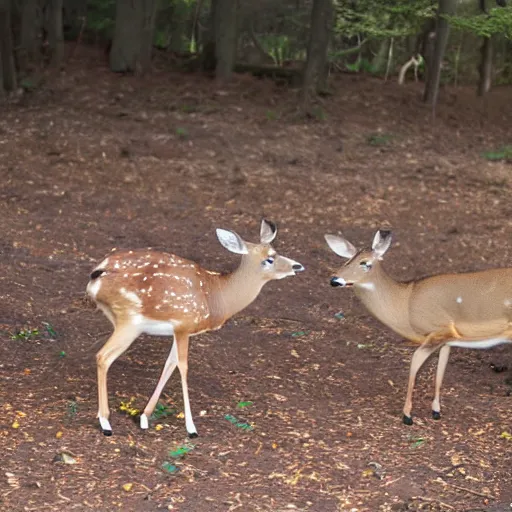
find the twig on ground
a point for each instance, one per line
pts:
(430, 500)
(465, 489)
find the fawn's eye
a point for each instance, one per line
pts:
(269, 260)
(366, 265)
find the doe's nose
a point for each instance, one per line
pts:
(297, 267)
(335, 282)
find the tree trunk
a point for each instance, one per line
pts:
(180, 12)
(320, 32)
(379, 62)
(55, 35)
(441, 39)
(29, 49)
(8, 70)
(485, 68)
(133, 36)
(208, 58)
(225, 38)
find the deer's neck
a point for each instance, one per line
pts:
(388, 300)
(234, 292)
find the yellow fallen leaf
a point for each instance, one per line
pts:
(274, 445)
(15, 424)
(128, 487)
(58, 435)
(159, 427)
(455, 459)
(506, 435)
(294, 353)
(367, 472)
(21, 414)
(180, 416)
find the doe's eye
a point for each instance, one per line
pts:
(366, 265)
(269, 260)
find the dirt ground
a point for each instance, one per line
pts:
(92, 161)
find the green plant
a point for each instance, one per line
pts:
(182, 133)
(379, 139)
(505, 153)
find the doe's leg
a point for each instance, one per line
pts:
(421, 354)
(444, 354)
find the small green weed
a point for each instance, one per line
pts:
(379, 139)
(162, 411)
(182, 133)
(271, 115)
(416, 441)
(72, 409)
(505, 153)
(25, 334)
(47, 332)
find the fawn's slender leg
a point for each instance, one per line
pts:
(182, 345)
(169, 367)
(121, 339)
(444, 354)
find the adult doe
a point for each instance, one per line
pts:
(145, 291)
(467, 310)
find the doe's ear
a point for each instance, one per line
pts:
(268, 231)
(341, 246)
(231, 241)
(381, 242)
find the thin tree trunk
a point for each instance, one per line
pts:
(29, 49)
(225, 38)
(380, 59)
(320, 31)
(178, 25)
(133, 36)
(485, 68)
(55, 34)
(208, 53)
(442, 31)
(8, 70)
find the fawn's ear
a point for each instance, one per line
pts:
(231, 241)
(340, 246)
(268, 231)
(381, 242)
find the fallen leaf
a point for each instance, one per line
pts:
(15, 424)
(65, 457)
(128, 487)
(159, 427)
(294, 353)
(58, 435)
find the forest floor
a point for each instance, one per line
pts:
(92, 160)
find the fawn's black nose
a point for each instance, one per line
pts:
(335, 281)
(297, 267)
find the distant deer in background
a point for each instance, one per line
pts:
(156, 293)
(467, 310)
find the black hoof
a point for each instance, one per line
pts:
(107, 433)
(193, 435)
(436, 415)
(407, 420)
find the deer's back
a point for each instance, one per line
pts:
(157, 285)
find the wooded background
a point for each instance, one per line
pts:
(299, 42)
